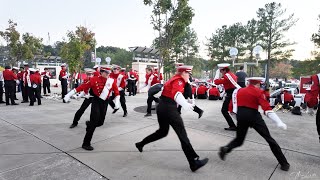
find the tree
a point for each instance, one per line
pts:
(252, 36)
(186, 45)
(170, 19)
(281, 70)
(118, 56)
(316, 36)
(273, 27)
(31, 46)
(12, 36)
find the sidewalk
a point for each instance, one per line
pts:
(36, 143)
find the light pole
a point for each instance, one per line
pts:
(108, 60)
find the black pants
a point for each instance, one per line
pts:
(15, 90)
(252, 118)
(131, 87)
(168, 115)
(211, 97)
(202, 96)
(318, 120)
(9, 88)
(24, 90)
(122, 101)
(85, 104)
(34, 94)
(97, 117)
(46, 86)
(1, 91)
(151, 92)
(287, 105)
(64, 87)
(242, 84)
(225, 107)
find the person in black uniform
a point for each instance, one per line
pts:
(168, 115)
(248, 101)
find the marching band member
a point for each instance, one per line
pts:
(132, 80)
(101, 87)
(168, 115)
(246, 107)
(35, 87)
(229, 83)
(87, 100)
(202, 91)
(63, 77)
(120, 81)
(214, 93)
(26, 84)
(9, 85)
(46, 75)
(97, 70)
(312, 98)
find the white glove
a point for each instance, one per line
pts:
(80, 95)
(120, 89)
(117, 102)
(67, 96)
(87, 96)
(275, 118)
(192, 101)
(217, 76)
(65, 77)
(179, 98)
(18, 82)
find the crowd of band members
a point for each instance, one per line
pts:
(28, 80)
(109, 82)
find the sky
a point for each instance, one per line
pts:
(126, 23)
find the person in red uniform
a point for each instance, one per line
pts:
(9, 85)
(87, 100)
(120, 80)
(35, 79)
(158, 74)
(20, 76)
(248, 101)
(202, 91)
(312, 99)
(132, 79)
(168, 115)
(101, 87)
(214, 93)
(288, 99)
(154, 85)
(39, 86)
(194, 90)
(97, 70)
(229, 83)
(46, 75)
(63, 77)
(26, 84)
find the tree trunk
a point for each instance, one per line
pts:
(269, 57)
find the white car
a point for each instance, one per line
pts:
(299, 98)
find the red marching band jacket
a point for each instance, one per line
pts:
(174, 85)
(312, 96)
(152, 79)
(101, 87)
(214, 92)
(202, 89)
(120, 80)
(250, 97)
(8, 75)
(226, 81)
(35, 78)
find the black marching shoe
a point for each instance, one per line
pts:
(24, 101)
(88, 148)
(285, 167)
(197, 164)
(231, 129)
(114, 111)
(222, 153)
(148, 114)
(1, 102)
(139, 146)
(198, 110)
(14, 104)
(73, 126)
(125, 114)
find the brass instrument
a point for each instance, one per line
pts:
(277, 107)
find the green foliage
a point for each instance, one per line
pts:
(186, 45)
(79, 42)
(12, 36)
(170, 19)
(306, 68)
(31, 46)
(316, 36)
(118, 56)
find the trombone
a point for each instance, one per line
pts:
(277, 107)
